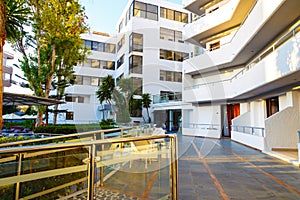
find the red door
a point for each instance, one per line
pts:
(233, 110)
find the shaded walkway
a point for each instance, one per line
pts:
(222, 169)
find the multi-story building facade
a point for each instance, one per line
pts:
(244, 82)
(147, 48)
(7, 70)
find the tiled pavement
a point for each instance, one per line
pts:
(222, 169)
(213, 169)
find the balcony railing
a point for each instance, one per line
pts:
(276, 45)
(90, 168)
(252, 130)
(202, 126)
(166, 98)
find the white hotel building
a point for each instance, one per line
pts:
(228, 68)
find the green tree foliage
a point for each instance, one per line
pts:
(56, 28)
(13, 15)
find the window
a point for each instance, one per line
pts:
(109, 48)
(120, 25)
(120, 61)
(110, 65)
(136, 42)
(121, 42)
(95, 81)
(86, 80)
(170, 76)
(173, 15)
(136, 64)
(144, 10)
(78, 80)
(87, 63)
(69, 115)
(95, 63)
(173, 55)
(99, 46)
(170, 35)
(80, 99)
(70, 99)
(214, 46)
(272, 106)
(137, 85)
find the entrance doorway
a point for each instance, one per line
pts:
(168, 119)
(229, 112)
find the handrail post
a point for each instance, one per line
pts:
(18, 174)
(173, 168)
(91, 177)
(101, 167)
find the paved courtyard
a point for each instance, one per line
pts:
(223, 169)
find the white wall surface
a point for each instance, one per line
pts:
(249, 140)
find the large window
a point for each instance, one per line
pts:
(173, 55)
(99, 46)
(102, 64)
(171, 35)
(87, 80)
(137, 85)
(170, 76)
(145, 10)
(136, 42)
(173, 15)
(136, 64)
(121, 42)
(120, 61)
(78, 99)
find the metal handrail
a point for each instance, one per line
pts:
(251, 128)
(258, 58)
(92, 133)
(89, 164)
(204, 125)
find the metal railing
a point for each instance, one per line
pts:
(166, 98)
(87, 168)
(252, 130)
(256, 60)
(202, 126)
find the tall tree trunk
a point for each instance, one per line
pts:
(2, 40)
(56, 106)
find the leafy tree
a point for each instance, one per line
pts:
(146, 99)
(13, 15)
(56, 28)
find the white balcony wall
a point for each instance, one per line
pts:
(250, 140)
(211, 20)
(281, 62)
(255, 20)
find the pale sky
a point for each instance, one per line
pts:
(104, 14)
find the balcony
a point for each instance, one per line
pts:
(275, 70)
(227, 16)
(266, 20)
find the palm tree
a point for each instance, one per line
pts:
(13, 16)
(106, 90)
(146, 100)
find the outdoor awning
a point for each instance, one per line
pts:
(10, 99)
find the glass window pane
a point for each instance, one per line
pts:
(88, 44)
(101, 46)
(95, 81)
(103, 64)
(80, 99)
(184, 17)
(163, 12)
(163, 75)
(78, 80)
(95, 46)
(139, 5)
(169, 76)
(110, 65)
(86, 80)
(95, 63)
(170, 14)
(152, 16)
(177, 16)
(178, 77)
(152, 8)
(178, 36)
(87, 63)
